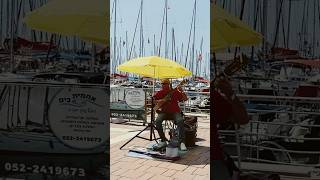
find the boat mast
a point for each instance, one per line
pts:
(314, 29)
(114, 36)
(194, 36)
(1, 20)
(134, 35)
(289, 21)
(166, 29)
(264, 26)
(275, 42)
(141, 31)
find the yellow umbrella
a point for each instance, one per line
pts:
(227, 30)
(154, 67)
(88, 19)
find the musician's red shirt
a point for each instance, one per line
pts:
(170, 106)
(221, 110)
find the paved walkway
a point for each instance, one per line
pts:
(193, 165)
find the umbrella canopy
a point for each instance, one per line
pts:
(88, 19)
(155, 67)
(227, 30)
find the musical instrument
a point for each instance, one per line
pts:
(237, 64)
(167, 98)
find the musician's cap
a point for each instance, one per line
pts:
(165, 81)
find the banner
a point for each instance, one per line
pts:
(59, 131)
(128, 104)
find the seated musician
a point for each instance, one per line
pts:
(170, 109)
(225, 107)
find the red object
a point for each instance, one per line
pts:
(221, 111)
(307, 91)
(314, 63)
(200, 57)
(201, 79)
(33, 45)
(115, 75)
(284, 51)
(171, 106)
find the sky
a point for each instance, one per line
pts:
(179, 18)
(299, 22)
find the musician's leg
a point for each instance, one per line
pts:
(159, 127)
(180, 124)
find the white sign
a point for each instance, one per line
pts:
(135, 98)
(78, 117)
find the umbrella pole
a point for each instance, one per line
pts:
(152, 112)
(151, 124)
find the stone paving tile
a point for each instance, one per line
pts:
(146, 176)
(161, 177)
(143, 168)
(156, 170)
(169, 173)
(183, 176)
(114, 177)
(119, 172)
(194, 165)
(197, 177)
(190, 170)
(125, 178)
(178, 167)
(201, 172)
(133, 174)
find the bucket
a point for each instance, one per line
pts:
(172, 152)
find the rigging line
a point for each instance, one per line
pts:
(314, 27)
(255, 20)
(7, 22)
(159, 48)
(114, 35)
(306, 30)
(243, 2)
(289, 21)
(172, 43)
(181, 54)
(264, 24)
(277, 25)
(283, 31)
(201, 45)
(12, 63)
(18, 17)
(194, 33)
(166, 40)
(141, 31)
(301, 46)
(192, 19)
(33, 32)
(1, 20)
(112, 10)
(154, 44)
(127, 57)
(319, 19)
(134, 34)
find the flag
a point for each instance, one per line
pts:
(200, 57)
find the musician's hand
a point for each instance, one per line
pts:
(225, 87)
(180, 88)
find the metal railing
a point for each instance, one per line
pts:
(288, 137)
(197, 101)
